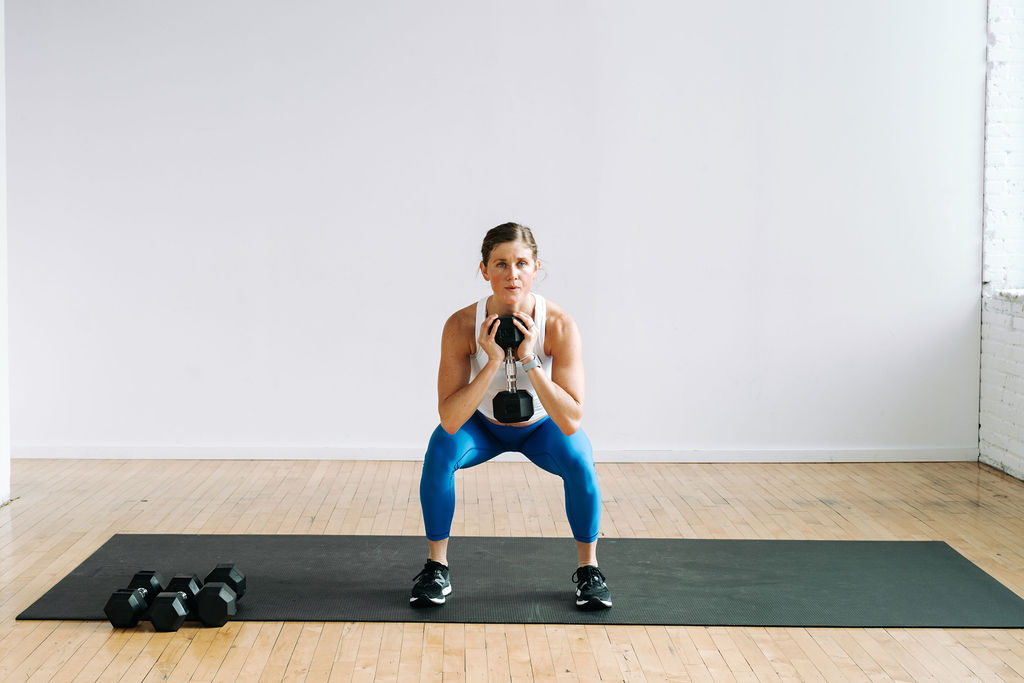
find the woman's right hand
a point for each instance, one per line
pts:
(486, 339)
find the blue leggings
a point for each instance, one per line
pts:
(479, 440)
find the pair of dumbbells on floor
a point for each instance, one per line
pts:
(168, 605)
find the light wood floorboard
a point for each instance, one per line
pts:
(64, 509)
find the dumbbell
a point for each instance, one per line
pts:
(175, 603)
(217, 601)
(212, 602)
(127, 606)
(512, 405)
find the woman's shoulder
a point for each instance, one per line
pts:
(558, 321)
(462, 321)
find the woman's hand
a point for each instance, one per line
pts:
(529, 329)
(486, 339)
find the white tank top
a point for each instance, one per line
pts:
(479, 360)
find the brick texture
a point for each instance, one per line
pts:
(1001, 434)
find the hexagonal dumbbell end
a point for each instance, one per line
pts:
(125, 607)
(216, 603)
(512, 406)
(169, 611)
(231, 575)
(188, 584)
(507, 335)
(149, 581)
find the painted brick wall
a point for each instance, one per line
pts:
(1002, 382)
(1002, 335)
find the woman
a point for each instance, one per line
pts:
(550, 367)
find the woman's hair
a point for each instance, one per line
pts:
(507, 232)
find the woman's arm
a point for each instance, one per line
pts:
(562, 394)
(457, 397)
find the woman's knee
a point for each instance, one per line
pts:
(442, 453)
(581, 476)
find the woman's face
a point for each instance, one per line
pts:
(510, 271)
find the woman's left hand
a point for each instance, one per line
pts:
(529, 329)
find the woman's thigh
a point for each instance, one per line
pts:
(471, 445)
(552, 450)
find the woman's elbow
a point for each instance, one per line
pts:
(449, 423)
(569, 426)
(571, 422)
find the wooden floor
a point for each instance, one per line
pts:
(63, 510)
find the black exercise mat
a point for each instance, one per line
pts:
(527, 580)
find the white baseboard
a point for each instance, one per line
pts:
(415, 454)
(784, 456)
(214, 453)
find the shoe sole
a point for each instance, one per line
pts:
(590, 605)
(424, 601)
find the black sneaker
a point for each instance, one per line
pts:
(431, 585)
(591, 590)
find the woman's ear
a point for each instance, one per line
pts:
(483, 271)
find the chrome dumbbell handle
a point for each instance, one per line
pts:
(510, 370)
(514, 405)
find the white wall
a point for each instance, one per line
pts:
(241, 224)
(4, 377)
(1002, 382)
(1001, 432)
(5, 405)
(1004, 148)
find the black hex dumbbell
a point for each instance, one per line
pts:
(231, 575)
(213, 602)
(217, 601)
(127, 606)
(174, 605)
(513, 405)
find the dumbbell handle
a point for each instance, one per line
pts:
(510, 370)
(181, 594)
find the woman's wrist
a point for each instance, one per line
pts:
(530, 362)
